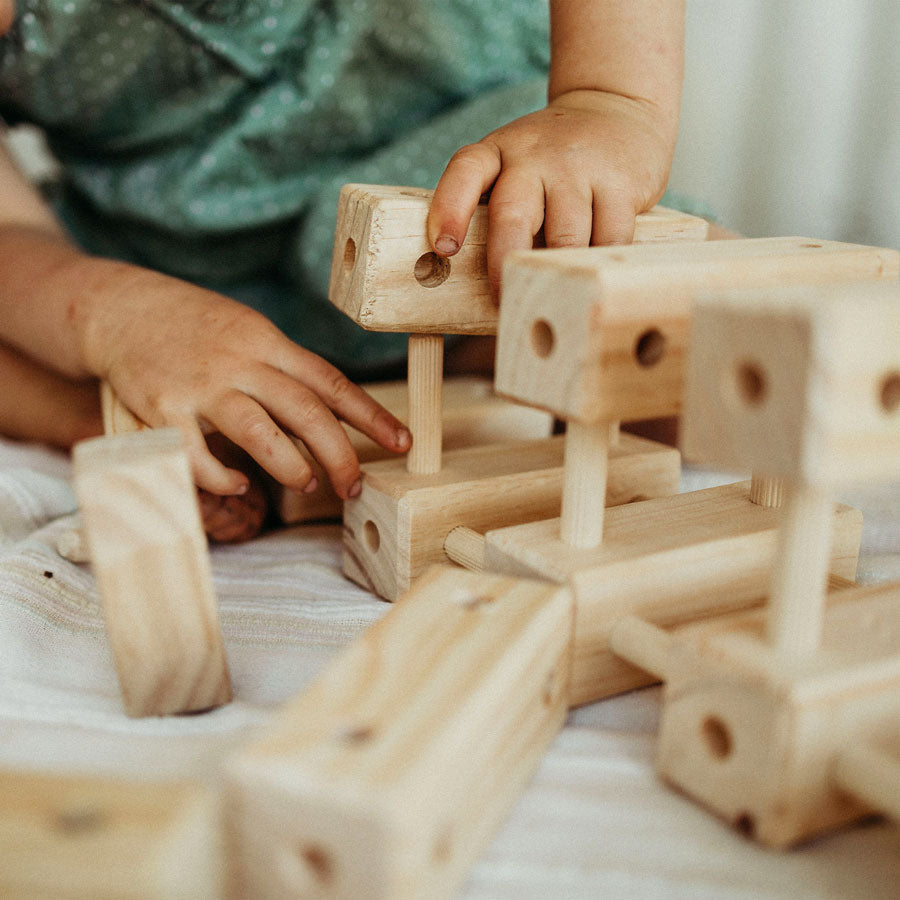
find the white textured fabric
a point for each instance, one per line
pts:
(595, 822)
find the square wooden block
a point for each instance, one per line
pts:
(757, 742)
(668, 561)
(396, 528)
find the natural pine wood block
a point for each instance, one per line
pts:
(392, 771)
(396, 528)
(472, 414)
(668, 561)
(385, 276)
(757, 741)
(801, 383)
(150, 559)
(616, 348)
(87, 838)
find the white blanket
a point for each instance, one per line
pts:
(595, 822)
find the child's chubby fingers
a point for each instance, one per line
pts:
(614, 216)
(568, 217)
(515, 215)
(246, 423)
(208, 472)
(349, 401)
(470, 172)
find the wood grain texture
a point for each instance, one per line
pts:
(425, 374)
(472, 414)
(616, 348)
(390, 774)
(757, 742)
(385, 277)
(150, 559)
(85, 838)
(396, 528)
(669, 561)
(801, 383)
(584, 484)
(117, 417)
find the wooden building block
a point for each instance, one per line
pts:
(668, 560)
(117, 417)
(151, 562)
(87, 838)
(396, 528)
(616, 348)
(801, 382)
(389, 775)
(757, 742)
(385, 276)
(472, 414)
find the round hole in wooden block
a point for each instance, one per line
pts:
(349, 255)
(717, 737)
(543, 338)
(372, 536)
(890, 392)
(751, 383)
(650, 347)
(358, 734)
(431, 270)
(745, 823)
(78, 820)
(306, 868)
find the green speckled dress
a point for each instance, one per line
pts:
(209, 138)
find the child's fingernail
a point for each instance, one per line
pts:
(355, 488)
(311, 485)
(446, 245)
(243, 488)
(403, 438)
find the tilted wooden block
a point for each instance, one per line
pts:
(389, 775)
(151, 563)
(396, 528)
(669, 561)
(472, 414)
(615, 349)
(800, 383)
(385, 276)
(84, 838)
(758, 742)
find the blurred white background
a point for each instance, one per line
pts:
(791, 117)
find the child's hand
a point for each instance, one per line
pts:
(180, 355)
(582, 168)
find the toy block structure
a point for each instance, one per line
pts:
(392, 771)
(614, 350)
(472, 414)
(86, 837)
(386, 278)
(775, 721)
(151, 562)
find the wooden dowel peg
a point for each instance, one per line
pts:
(584, 484)
(766, 490)
(800, 573)
(465, 547)
(426, 373)
(646, 646)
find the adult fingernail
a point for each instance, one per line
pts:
(312, 484)
(403, 438)
(446, 245)
(355, 488)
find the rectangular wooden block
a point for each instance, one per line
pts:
(389, 775)
(150, 559)
(668, 561)
(396, 528)
(87, 838)
(757, 742)
(802, 383)
(386, 278)
(472, 414)
(616, 348)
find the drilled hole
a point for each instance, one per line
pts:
(811, 246)
(358, 734)
(543, 338)
(431, 270)
(751, 383)
(890, 392)
(745, 824)
(717, 737)
(650, 347)
(372, 536)
(349, 255)
(318, 862)
(79, 820)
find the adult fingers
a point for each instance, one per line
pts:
(470, 172)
